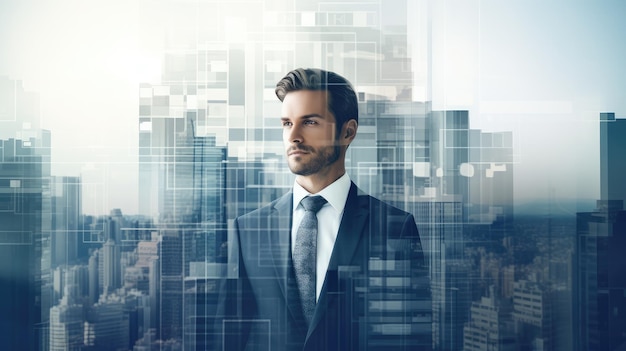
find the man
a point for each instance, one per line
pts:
(324, 267)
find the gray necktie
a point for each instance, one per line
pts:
(305, 254)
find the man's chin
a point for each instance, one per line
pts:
(298, 170)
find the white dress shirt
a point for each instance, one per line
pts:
(328, 220)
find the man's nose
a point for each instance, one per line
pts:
(295, 134)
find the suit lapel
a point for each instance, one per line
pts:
(280, 238)
(280, 246)
(348, 237)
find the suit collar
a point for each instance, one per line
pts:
(336, 193)
(351, 228)
(283, 204)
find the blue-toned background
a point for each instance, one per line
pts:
(133, 132)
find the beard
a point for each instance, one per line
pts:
(319, 159)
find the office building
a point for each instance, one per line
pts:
(94, 277)
(106, 326)
(25, 252)
(599, 282)
(111, 253)
(66, 327)
(490, 326)
(66, 213)
(612, 150)
(532, 313)
(600, 287)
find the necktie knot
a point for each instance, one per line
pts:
(313, 203)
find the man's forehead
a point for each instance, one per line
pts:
(306, 99)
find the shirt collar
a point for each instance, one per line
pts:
(336, 193)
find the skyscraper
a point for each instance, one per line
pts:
(533, 315)
(600, 283)
(67, 317)
(112, 270)
(25, 255)
(94, 280)
(66, 213)
(107, 326)
(111, 253)
(612, 151)
(490, 326)
(66, 327)
(24, 238)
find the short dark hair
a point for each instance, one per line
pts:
(342, 100)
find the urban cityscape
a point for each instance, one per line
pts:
(210, 149)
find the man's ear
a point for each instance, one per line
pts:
(349, 130)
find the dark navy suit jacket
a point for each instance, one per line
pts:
(376, 294)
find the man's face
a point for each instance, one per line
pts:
(309, 134)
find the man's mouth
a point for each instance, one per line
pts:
(296, 152)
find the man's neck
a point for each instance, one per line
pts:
(316, 183)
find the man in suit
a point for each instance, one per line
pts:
(325, 266)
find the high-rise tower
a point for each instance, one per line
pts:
(600, 283)
(24, 220)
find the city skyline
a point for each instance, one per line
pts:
(132, 136)
(501, 63)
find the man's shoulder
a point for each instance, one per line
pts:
(396, 225)
(376, 205)
(264, 210)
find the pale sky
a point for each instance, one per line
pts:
(543, 70)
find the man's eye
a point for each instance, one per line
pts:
(310, 122)
(286, 124)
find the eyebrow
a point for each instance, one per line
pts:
(312, 115)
